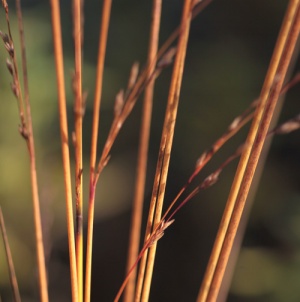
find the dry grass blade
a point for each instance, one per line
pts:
(233, 128)
(132, 95)
(136, 221)
(270, 91)
(165, 149)
(26, 131)
(96, 116)
(78, 112)
(12, 273)
(167, 220)
(140, 80)
(58, 52)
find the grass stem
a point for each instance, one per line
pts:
(134, 240)
(59, 64)
(165, 152)
(240, 188)
(95, 126)
(12, 273)
(33, 173)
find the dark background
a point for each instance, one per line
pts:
(230, 47)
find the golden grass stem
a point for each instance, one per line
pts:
(78, 112)
(252, 164)
(95, 126)
(165, 149)
(34, 183)
(234, 127)
(241, 184)
(12, 273)
(59, 64)
(38, 223)
(135, 232)
(228, 274)
(132, 97)
(207, 155)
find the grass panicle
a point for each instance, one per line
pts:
(26, 130)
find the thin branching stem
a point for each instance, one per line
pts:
(284, 128)
(145, 247)
(275, 76)
(165, 148)
(142, 81)
(59, 64)
(198, 7)
(131, 98)
(95, 126)
(33, 173)
(207, 156)
(208, 182)
(158, 231)
(254, 156)
(12, 273)
(134, 240)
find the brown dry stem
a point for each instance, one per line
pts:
(11, 268)
(138, 201)
(59, 64)
(26, 131)
(270, 91)
(96, 116)
(165, 151)
(133, 94)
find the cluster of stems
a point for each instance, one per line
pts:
(139, 271)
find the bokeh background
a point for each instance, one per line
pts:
(230, 47)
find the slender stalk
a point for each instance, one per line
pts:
(78, 112)
(270, 91)
(59, 64)
(135, 92)
(225, 286)
(134, 240)
(167, 219)
(33, 173)
(145, 247)
(12, 273)
(235, 126)
(96, 116)
(165, 148)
